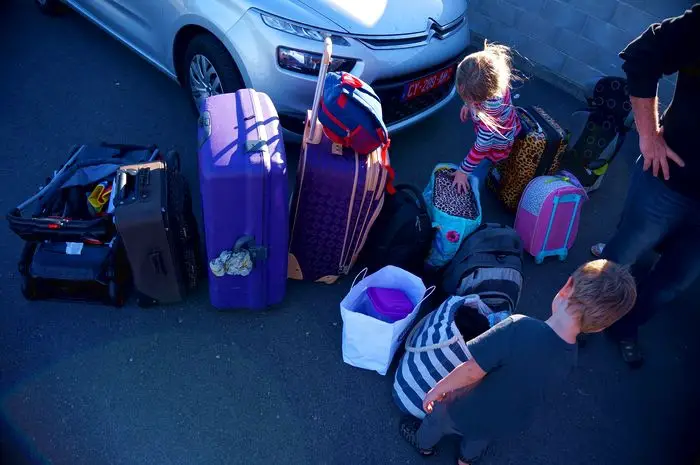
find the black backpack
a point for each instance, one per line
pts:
(402, 234)
(489, 263)
(599, 132)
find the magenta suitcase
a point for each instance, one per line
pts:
(337, 199)
(548, 215)
(245, 202)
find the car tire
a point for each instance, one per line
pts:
(50, 7)
(209, 48)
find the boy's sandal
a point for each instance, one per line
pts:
(473, 461)
(631, 353)
(597, 249)
(408, 429)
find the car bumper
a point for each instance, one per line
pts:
(387, 69)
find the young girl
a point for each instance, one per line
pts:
(483, 82)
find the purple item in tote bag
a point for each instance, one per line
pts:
(245, 200)
(339, 194)
(388, 305)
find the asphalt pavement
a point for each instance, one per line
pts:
(86, 384)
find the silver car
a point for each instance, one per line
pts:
(407, 49)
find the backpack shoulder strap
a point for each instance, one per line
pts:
(415, 192)
(395, 226)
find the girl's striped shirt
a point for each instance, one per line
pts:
(494, 146)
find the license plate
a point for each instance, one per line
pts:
(425, 84)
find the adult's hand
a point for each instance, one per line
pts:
(657, 153)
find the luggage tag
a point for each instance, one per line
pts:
(112, 197)
(74, 248)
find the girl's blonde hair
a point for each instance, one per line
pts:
(485, 75)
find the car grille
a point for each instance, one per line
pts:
(440, 32)
(390, 92)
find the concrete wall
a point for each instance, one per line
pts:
(571, 42)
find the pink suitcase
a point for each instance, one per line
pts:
(548, 215)
(338, 196)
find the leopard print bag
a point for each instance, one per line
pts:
(536, 152)
(447, 199)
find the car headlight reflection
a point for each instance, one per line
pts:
(302, 31)
(309, 62)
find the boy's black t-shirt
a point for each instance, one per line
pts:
(525, 359)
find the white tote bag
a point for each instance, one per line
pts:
(371, 343)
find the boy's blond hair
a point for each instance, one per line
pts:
(603, 292)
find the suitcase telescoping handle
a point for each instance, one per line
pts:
(325, 63)
(131, 183)
(527, 113)
(120, 185)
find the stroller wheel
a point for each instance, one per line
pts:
(26, 258)
(29, 288)
(116, 294)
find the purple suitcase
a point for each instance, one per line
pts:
(245, 201)
(337, 199)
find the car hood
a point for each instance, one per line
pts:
(387, 17)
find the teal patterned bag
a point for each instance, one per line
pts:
(454, 220)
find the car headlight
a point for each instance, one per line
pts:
(309, 62)
(302, 31)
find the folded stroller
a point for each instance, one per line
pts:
(72, 250)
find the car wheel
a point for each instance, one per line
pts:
(50, 7)
(208, 69)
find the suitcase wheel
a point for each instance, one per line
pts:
(117, 297)
(172, 160)
(29, 288)
(144, 301)
(192, 269)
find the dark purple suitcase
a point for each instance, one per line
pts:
(337, 199)
(245, 202)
